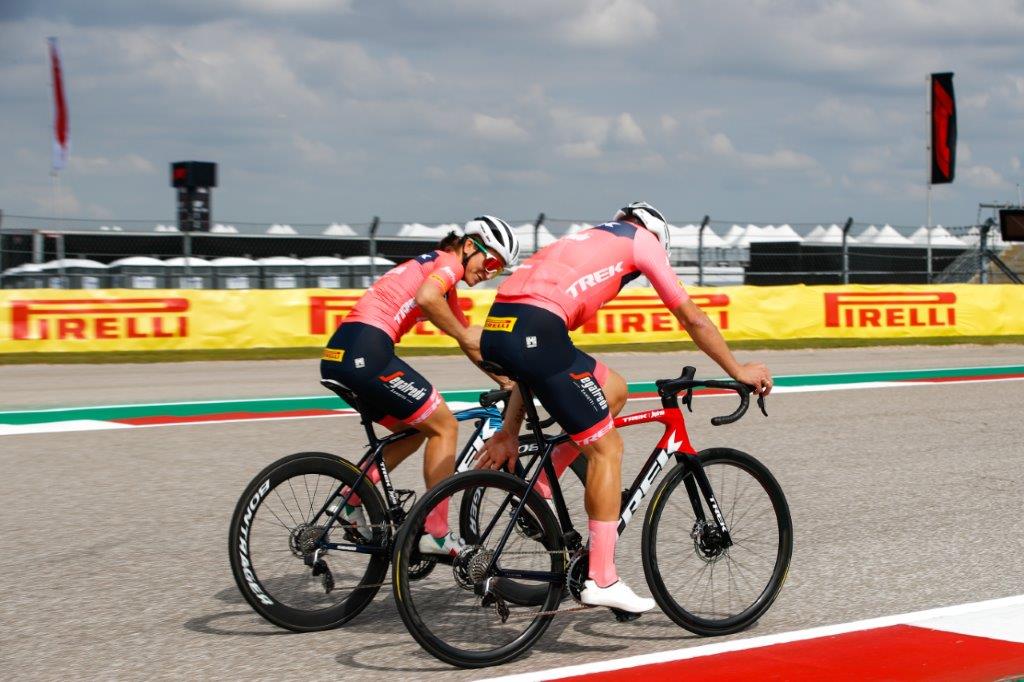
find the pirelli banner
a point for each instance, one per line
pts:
(118, 319)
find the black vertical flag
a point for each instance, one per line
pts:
(943, 129)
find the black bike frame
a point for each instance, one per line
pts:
(674, 442)
(488, 422)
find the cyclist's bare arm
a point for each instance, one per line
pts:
(431, 300)
(707, 337)
(502, 448)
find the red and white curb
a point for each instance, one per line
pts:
(978, 641)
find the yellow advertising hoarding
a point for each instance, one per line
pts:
(44, 320)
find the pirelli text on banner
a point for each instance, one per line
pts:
(34, 320)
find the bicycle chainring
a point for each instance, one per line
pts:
(579, 571)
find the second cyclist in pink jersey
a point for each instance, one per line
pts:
(361, 355)
(557, 290)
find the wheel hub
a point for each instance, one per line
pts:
(303, 539)
(470, 566)
(708, 541)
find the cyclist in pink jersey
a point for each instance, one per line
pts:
(361, 356)
(556, 290)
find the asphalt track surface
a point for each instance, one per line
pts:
(113, 558)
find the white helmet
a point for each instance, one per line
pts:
(497, 236)
(650, 217)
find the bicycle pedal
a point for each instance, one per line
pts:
(625, 616)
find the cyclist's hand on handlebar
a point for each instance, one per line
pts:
(500, 451)
(755, 374)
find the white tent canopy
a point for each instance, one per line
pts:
(192, 261)
(887, 236)
(227, 229)
(73, 263)
(833, 234)
(323, 260)
(279, 229)
(525, 234)
(940, 237)
(232, 261)
(785, 233)
(137, 260)
(340, 230)
(279, 260)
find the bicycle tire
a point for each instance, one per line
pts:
(658, 569)
(258, 589)
(410, 599)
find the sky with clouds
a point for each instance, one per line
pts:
(337, 110)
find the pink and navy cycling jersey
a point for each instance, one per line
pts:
(390, 304)
(579, 273)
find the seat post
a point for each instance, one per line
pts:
(531, 412)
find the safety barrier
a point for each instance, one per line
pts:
(42, 320)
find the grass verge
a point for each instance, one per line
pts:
(314, 352)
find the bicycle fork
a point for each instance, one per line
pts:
(709, 539)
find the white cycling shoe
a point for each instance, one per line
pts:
(356, 517)
(615, 596)
(448, 545)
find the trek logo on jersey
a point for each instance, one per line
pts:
(593, 279)
(99, 318)
(586, 382)
(400, 385)
(890, 309)
(406, 308)
(332, 354)
(500, 324)
(327, 312)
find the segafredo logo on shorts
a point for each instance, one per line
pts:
(400, 385)
(99, 318)
(327, 312)
(890, 309)
(593, 279)
(243, 544)
(586, 381)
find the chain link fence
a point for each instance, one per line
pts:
(71, 253)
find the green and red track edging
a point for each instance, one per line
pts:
(156, 414)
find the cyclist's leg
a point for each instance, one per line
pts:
(616, 391)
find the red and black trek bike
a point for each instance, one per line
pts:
(716, 545)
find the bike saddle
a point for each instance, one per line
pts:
(495, 368)
(344, 392)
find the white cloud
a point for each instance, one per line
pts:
(782, 159)
(621, 23)
(668, 123)
(628, 131)
(983, 177)
(498, 129)
(579, 150)
(102, 165)
(314, 152)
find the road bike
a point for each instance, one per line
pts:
(719, 514)
(301, 566)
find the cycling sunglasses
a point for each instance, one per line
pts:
(492, 264)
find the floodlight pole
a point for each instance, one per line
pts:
(700, 250)
(536, 232)
(373, 249)
(846, 251)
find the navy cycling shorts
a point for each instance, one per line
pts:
(534, 346)
(362, 358)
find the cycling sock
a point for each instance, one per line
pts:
(437, 520)
(603, 536)
(374, 475)
(563, 456)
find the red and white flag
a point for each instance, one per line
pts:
(61, 141)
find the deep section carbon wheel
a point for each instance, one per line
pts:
(276, 544)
